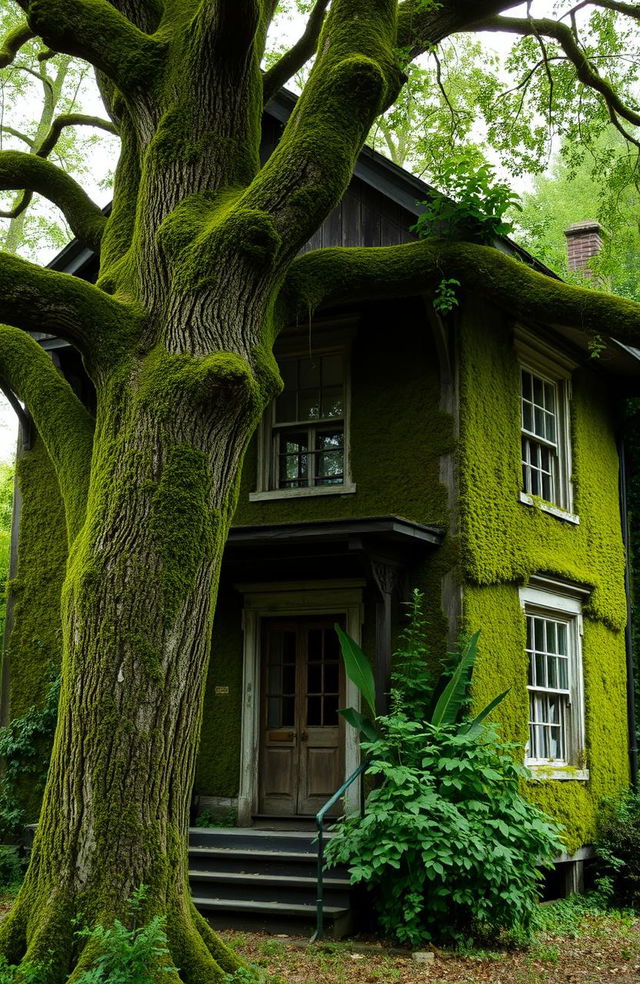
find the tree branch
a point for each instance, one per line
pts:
(336, 275)
(37, 299)
(297, 56)
(13, 42)
(355, 74)
(19, 170)
(227, 28)
(565, 37)
(145, 14)
(23, 203)
(64, 424)
(630, 9)
(16, 133)
(420, 26)
(95, 31)
(72, 119)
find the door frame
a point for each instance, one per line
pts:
(291, 599)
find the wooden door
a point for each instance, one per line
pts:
(302, 747)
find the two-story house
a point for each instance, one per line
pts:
(472, 456)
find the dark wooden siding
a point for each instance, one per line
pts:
(364, 217)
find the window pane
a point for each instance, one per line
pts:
(538, 391)
(310, 373)
(332, 370)
(294, 464)
(308, 404)
(286, 406)
(332, 405)
(527, 415)
(562, 639)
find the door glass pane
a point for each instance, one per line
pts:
(331, 677)
(288, 712)
(314, 710)
(274, 718)
(314, 678)
(330, 717)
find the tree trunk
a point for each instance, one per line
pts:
(137, 610)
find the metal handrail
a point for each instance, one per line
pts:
(320, 815)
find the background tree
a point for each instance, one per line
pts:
(57, 85)
(199, 271)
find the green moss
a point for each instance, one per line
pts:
(35, 643)
(183, 522)
(219, 754)
(505, 542)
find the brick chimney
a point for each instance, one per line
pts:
(584, 241)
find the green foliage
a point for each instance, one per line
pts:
(25, 746)
(473, 205)
(134, 955)
(587, 183)
(448, 845)
(445, 298)
(11, 867)
(618, 848)
(357, 667)
(28, 973)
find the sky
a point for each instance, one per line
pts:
(104, 156)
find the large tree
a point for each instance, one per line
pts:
(199, 271)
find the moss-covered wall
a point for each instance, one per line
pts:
(397, 429)
(34, 645)
(397, 435)
(504, 542)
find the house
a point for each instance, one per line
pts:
(472, 456)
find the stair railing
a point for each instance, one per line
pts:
(320, 815)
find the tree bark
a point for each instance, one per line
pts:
(137, 610)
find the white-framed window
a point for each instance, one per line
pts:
(308, 421)
(304, 436)
(553, 615)
(545, 393)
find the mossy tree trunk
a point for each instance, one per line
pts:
(198, 274)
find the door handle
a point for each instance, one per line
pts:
(304, 736)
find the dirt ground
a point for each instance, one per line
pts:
(591, 949)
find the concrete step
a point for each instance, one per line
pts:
(264, 880)
(268, 888)
(272, 917)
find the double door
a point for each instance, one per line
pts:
(302, 734)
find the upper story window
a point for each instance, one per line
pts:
(540, 434)
(308, 423)
(554, 679)
(304, 436)
(545, 436)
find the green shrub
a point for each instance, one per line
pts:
(618, 849)
(448, 846)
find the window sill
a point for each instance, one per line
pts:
(302, 493)
(548, 507)
(541, 771)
